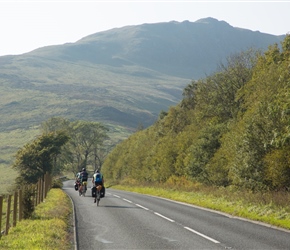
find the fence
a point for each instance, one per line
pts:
(13, 204)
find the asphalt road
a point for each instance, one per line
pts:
(126, 220)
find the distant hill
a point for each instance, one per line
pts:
(122, 77)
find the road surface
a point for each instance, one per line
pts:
(126, 220)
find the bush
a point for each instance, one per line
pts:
(28, 201)
(57, 183)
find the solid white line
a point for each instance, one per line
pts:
(127, 200)
(163, 217)
(202, 235)
(142, 207)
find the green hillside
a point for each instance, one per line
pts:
(231, 129)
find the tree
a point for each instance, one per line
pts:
(87, 140)
(36, 158)
(88, 143)
(55, 125)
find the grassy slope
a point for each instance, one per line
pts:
(10, 142)
(35, 89)
(34, 93)
(50, 227)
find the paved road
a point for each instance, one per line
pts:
(126, 220)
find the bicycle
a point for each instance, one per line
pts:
(83, 188)
(98, 194)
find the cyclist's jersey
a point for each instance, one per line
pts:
(84, 176)
(98, 178)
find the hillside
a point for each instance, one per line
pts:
(122, 77)
(231, 129)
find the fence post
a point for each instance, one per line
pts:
(41, 190)
(44, 185)
(35, 194)
(47, 184)
(1, 208)
(8, 214)
(38, 192)
(20, 201)
(15, 206)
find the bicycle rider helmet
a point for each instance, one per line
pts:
(83, 169)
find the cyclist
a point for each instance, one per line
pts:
(78, 180)
(98, 180)
(83, 180)
(78, 175)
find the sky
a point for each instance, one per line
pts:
(28, 25)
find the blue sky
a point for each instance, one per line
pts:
(28, 25)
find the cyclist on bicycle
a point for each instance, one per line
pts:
(98, 178)
(78, 179)
(83, 179)
(98, 181)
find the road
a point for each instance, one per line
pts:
(126, 220)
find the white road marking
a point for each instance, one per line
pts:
(127, 200)
(102, 240)
(142, 207)
(164, 217)
(202, 235)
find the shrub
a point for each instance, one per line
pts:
(57, 183)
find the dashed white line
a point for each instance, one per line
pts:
(202, 235)
(142, 207)
(164, 217)
(127, 200)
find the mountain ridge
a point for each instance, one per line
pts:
(133, 72)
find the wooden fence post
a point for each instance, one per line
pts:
(41, 189)
(1, 208)
(15, 206)
(20, 201)
(47, 183)
(44, 185)
(8, 214)
(38, 192)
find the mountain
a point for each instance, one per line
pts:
(122, 77)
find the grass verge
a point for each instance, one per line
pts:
(269, 208)
(49, 228)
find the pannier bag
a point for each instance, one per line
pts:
(93, 191)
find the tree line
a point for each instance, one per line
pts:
(231, 128)
(62, 146)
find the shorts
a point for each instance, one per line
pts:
(97, 183)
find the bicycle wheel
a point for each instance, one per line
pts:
(98, 197)
(84, 188)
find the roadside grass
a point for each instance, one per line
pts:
(271, 208)
(49, 227)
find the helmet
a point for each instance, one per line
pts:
(97, 171)
(83, 169)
